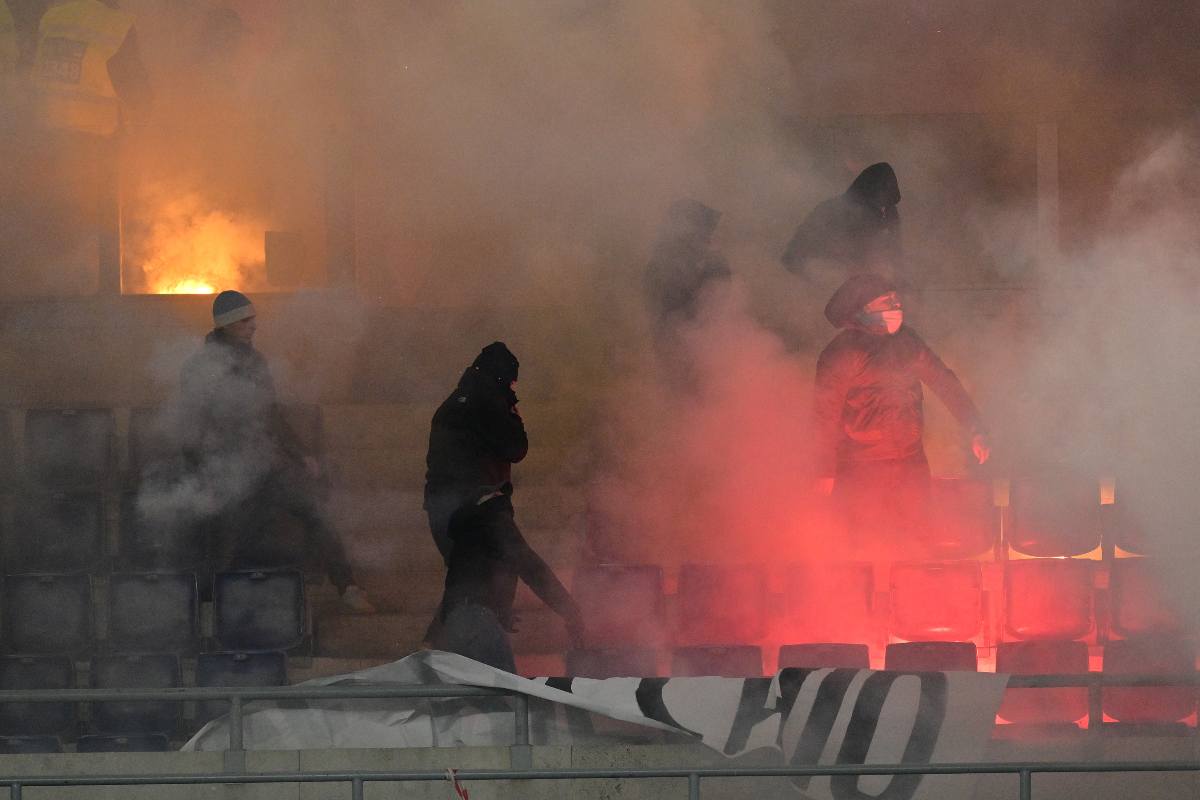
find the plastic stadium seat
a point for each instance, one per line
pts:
(936, 601)
(1149, 655)
(152, 443)
(827, 654)
(1048, 598)
(68, 447)
(16, 745)
(237, 669)
(828, 601)
(718, 603)
(174, 625)
(56, 532)
(636, 617)
(144, 546)
(37, 672)
(1054, 516)
(930, 656)
(737, 661)
(136, 672)
(963, 520)
(47, 613)
(612, 663)
(1043, 706)
(1140, 603)
(259, 609)
(137, 743)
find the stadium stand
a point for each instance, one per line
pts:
(930, 656)
(48, 613)
(38, 719)
(828, 601)
(718, 604)
(55, 532)
(964, 522)
(824, 654)
(936, 601)
(1048, 598)
(637, 616)
(1054, 515)
(612, 662)
(1140, 605)
(174, 625)
(259, 610)
(735, 661)
(1043, 706)
(130, 671)
(1149, 655)
(237, 669)
(69, 448)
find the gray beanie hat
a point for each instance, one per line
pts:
(230, 307)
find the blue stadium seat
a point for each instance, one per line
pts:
(237, 669)
(1140, 603)
(825, 654)
(121, 671)
(67, 448)
(612, 663)
(55, 532)
(17, 745)
(828, 601)
(48, 613)
(1149, 655)
(259, 609)
(174, 625)
(936, 601)
(37, 672)
(720, 603)
(735, 661)
(1043, 706)
(963, 520)
(135, 743)
(930, 657)
(1048, 598)
(1054, 515)
(610, 624)
(144, 546)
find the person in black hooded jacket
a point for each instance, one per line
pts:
(869, 408)
(859, 228)
(475, 438)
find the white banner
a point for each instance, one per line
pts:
(808, 716)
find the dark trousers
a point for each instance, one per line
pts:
(475, 631)
(884, 504)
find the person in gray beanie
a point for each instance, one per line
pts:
(250, 463)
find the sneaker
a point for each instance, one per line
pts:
(354, 599)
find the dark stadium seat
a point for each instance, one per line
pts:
(152, 445)
(720, 603)
(145, 546)
(624, 604)
(47, 613)
(136, 743)
(174, 624)
(1140, 602)
(930, 656)
(55, 532)
(963, 522)
(123, 671)
(735, 661)
(824, 654)
(259, 609)
(17, 745)
(1055, 515)
(1048, 598)
(828, 601)
(1149, 655)
(1043, 706)
(612, 662)
(237, 669)
(67, 448)
(937, 601)
(37, 672)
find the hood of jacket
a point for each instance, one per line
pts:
(876, 186)
(851, 296)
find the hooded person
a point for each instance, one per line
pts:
(858, 230)
(244, 459)
(475, 437)
(683, 262)
(869, 410)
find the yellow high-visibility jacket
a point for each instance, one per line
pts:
(76, 38)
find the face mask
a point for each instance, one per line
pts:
(889, 321)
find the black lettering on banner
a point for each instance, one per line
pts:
(650, 702)
(831, 694)
(752, 709)
(931, 713)
(579, 721)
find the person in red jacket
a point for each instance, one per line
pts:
(869, 410)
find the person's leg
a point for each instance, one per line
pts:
(475, 632)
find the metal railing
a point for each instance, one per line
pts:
(238, 696)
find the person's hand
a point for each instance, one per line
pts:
(981, 447)
(823, 486)
(312, 466)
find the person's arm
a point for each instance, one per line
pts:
(835, 371)
(549, 589)
(949, 389)
(497, 422)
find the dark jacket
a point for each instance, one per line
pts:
(682, 264)
(859, 228)
(228, 408)
(475, 438)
